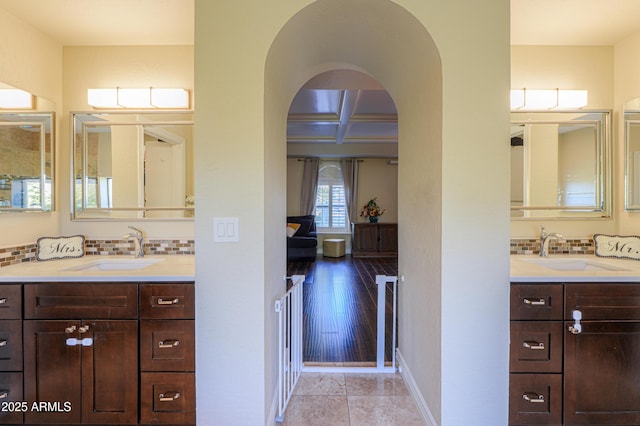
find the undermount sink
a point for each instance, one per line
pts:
(558, 264)
(115, 265)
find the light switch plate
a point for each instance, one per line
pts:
(226, 230)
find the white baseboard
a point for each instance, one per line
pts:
(423, 407)
(273, 411)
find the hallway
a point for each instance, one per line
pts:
(340, 309)
(338, 399)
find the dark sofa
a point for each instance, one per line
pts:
(303, 244)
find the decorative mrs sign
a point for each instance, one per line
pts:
(625, 247)
(60, 247)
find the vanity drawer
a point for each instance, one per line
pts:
(536, 301)
(535, 399)
(81, 300)
(11, 391)
(10, 345)
(168, 398)
(603, 301)
(170, 301)
(167, 345)
(10, 302)
(536, 347)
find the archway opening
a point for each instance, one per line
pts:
(384, 41)
(343, 127)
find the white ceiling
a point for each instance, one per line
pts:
(108, 22)
(130, 22)
(363, 113)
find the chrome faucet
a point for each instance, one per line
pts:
(544, 241)
(138, 241)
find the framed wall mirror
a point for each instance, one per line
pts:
(632, 155)
(132, 165)
(560, 165)
(26, 163)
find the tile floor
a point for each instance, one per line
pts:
(339, 399)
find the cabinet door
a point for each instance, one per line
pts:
(52, 372)
(602, 374)
(365, 238)
(110, 372)
(388, 238)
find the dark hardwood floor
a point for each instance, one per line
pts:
(340, 308)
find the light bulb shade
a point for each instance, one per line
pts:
(541, 99)
(517, 98)
(15, 99)
(103, 98)
(169, 98)
(572, 98)
(134, 98)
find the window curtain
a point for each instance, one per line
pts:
(309, 186)
(350, 176)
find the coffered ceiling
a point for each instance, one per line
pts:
(342, 116)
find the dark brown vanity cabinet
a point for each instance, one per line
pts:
(11, 378)
(167, 354)
(575, 354)
(81, 353)
(535, 355)
(97, 353)
(602, 360)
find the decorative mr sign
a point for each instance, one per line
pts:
(49, 248)
(624, 247)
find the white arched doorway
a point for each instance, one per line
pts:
(383, 40)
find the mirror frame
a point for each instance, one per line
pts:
(48, 120)
(602, 209)
(74, 122)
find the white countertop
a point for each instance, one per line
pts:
(524, 269)
(176, 268)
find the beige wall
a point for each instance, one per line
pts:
(35, 65)
(425, 67)
(118, 66)
(568, 67)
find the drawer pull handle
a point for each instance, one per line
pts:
(3, 343)
(168, 301)
(165, 344)
(169, 396)
(534, 302)
(70, 329)
(533, 397)
(4, 394)
(4, 301)
(534, 346)
(83, 329)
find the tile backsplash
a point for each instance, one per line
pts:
(567, 246)
(27, 253)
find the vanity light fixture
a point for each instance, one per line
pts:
(548, 99)
(15, 99)
(139, 98)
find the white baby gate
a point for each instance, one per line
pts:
(290, 364)
(289, 309)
